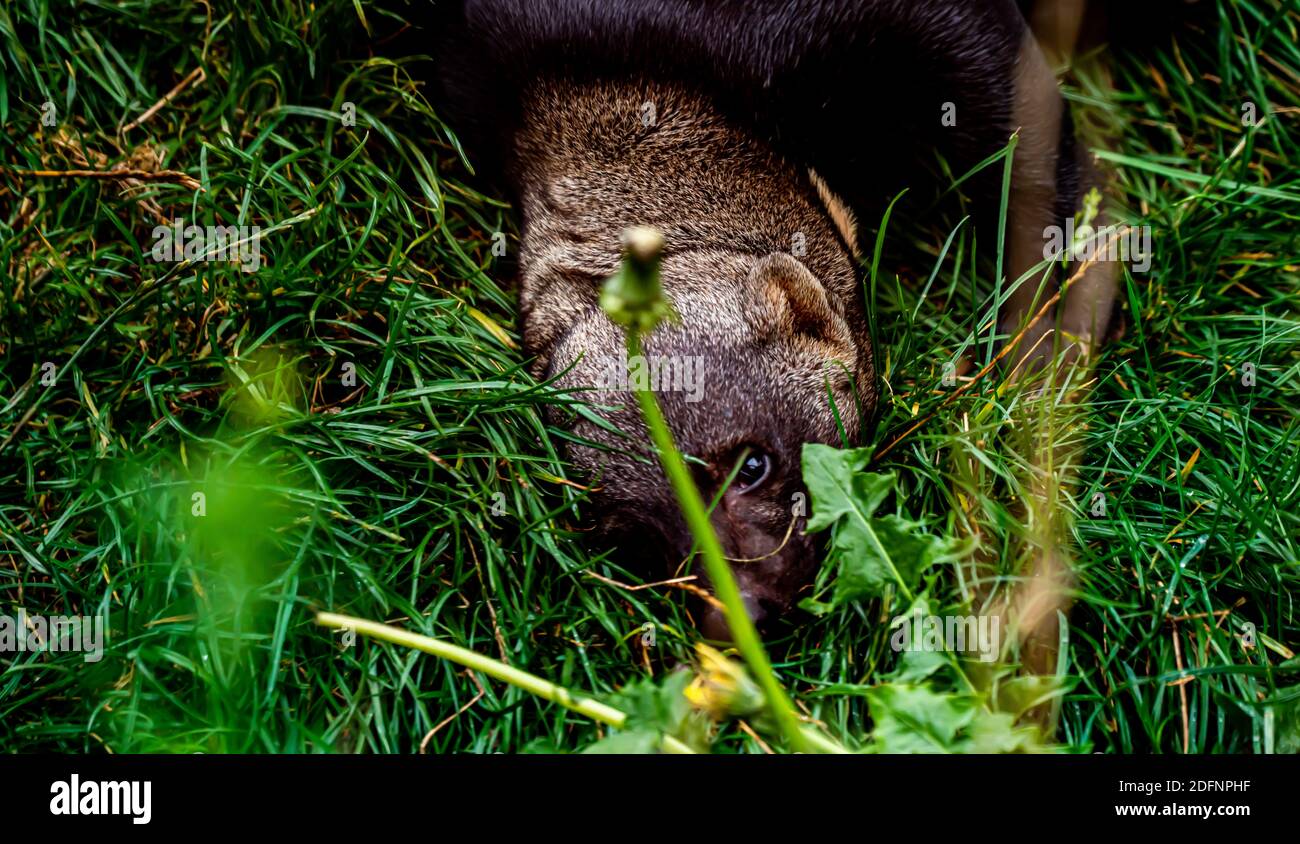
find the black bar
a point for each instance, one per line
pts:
(547, 794)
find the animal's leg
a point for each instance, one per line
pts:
(1037, 116)
(1056, 25)
(1050, 176)
(1045, 190)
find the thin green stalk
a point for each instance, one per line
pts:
(475, 661)
(638, 294)
(743, 632)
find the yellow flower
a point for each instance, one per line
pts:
(722, 686)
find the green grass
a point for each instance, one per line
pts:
(431, 494)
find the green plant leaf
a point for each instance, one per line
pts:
(918, 665)
(913, 719)
(641, 740)
(657, 706)
(657, 709)
(996, 732)
(869, 552)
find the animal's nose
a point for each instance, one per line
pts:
(714, 623)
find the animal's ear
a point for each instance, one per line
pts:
(793, 301)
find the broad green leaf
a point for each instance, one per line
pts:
(659, 709)
(640, 740)
(996, 732)
(913, 719)
(657, 706)
(1018, 695)
(918, 665)
(870, 552)
(838, 485)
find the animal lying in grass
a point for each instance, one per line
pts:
(753, 135)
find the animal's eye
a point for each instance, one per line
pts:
(753, 471)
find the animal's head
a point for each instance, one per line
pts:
(759, 360)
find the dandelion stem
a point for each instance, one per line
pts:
(475, 661)
(636, 302)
